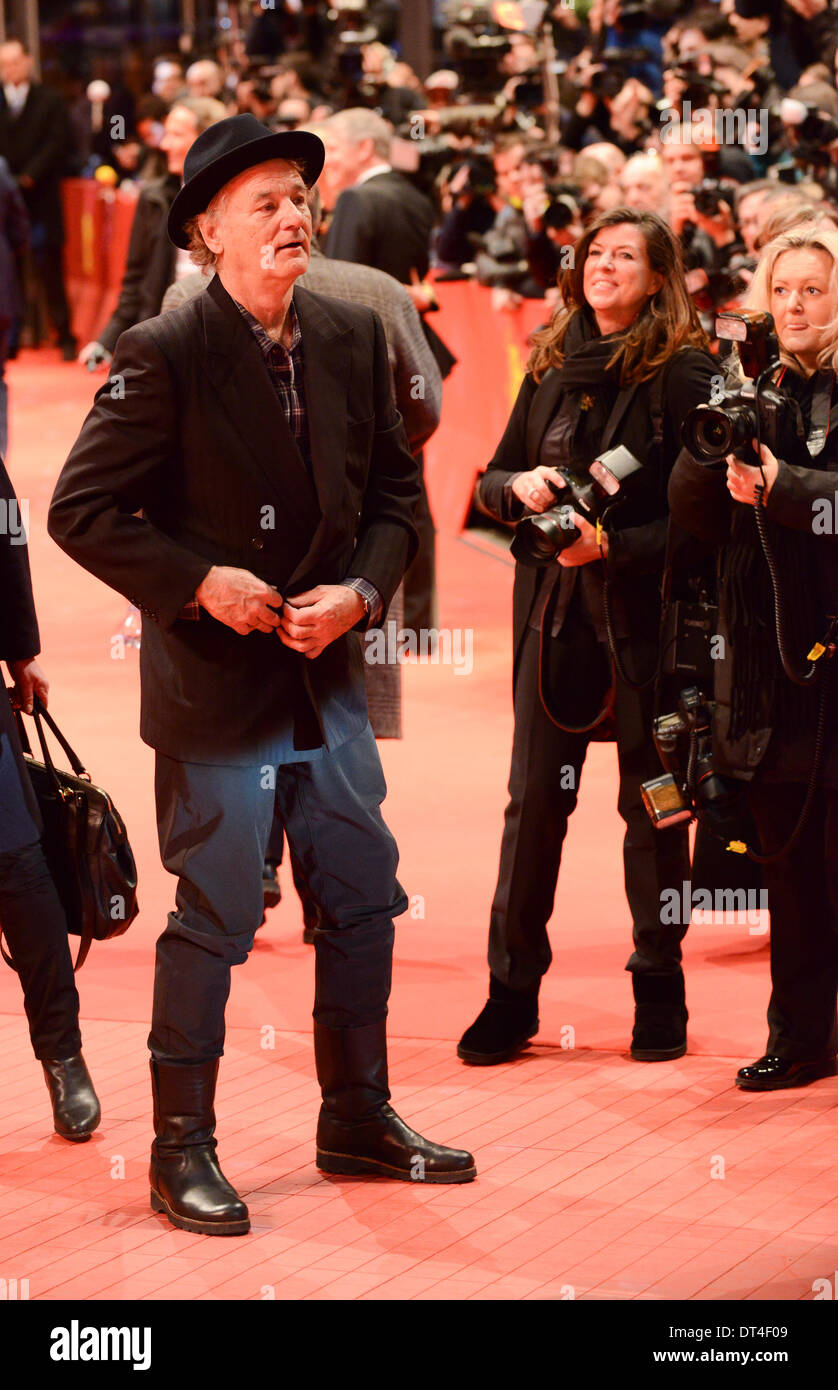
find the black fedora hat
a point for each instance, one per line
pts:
(228, 148)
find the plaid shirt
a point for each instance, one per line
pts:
(285, 368)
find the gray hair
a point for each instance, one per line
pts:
(357, 124)
(205, 110)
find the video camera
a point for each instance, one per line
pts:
(540, 539)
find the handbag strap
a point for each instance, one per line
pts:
(41, 717)
(40, 712)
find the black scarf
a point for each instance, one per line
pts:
(587, 354)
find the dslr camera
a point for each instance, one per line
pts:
(746, 412)
(541, 538)
(690, 786)
(709, 195)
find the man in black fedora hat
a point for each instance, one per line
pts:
(244, 478)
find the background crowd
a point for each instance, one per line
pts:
(504, 152)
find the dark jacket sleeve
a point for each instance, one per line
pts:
(416, 376)
(699, 501)
(800, 496)
(510, 458)
(19, 637)
(125, 315)
(50, 151)
(115, 466)
(642, 549)
(387, 539)
(350, 235)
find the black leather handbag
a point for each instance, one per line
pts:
(85, 842)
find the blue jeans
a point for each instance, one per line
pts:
(214, 824)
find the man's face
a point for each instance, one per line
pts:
(262, 231)
(202, 80)
(334, 177)
(179, 135)
(346, 161)
(683, 163)
(509, 172)
(750, 216)
(643, 187)
(15, 65)
(168, 81)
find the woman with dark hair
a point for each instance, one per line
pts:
(619, 364)
(32, 919)
(774, 726)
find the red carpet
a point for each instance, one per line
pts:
(599, 1177)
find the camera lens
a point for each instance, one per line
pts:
(707, 433)
(539, 539)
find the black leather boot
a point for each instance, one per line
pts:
(186, 1180)
(771, 1073)
(271, 891)
(660, 1017)
(357, 1131)
(503, 1028)
(75, 1105)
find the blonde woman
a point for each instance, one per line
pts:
(766, 724)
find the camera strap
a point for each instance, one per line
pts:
(820, 417)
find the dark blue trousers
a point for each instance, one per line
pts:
(214, 824)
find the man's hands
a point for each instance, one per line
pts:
(29, 681)
(682, 209)
(312, 620)
(306, 623)
(239, 600)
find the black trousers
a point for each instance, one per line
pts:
(543, 788)
(48, 267)
(32, 918)
(214, 825)
(802, 892)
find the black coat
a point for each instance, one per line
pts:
(702, 505)
(201, 444)
(637, 551)
(150, 265)
(384, 222)
(37, 143)
(14, 232)
(19, 637)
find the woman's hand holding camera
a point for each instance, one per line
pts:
(532, 489)
(743, 479)
(587, 547)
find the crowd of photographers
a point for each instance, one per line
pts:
(519, 139)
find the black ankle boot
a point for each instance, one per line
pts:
(75, 1105)
(186, 1180)
(660, 1017)
(357, 1131)
(503, 1028)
